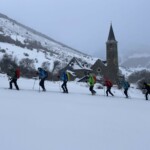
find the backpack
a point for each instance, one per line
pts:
(17, 73)
(94, 78)
(128, 84)
(43, 73)
(68, 76)
(64, 76)
(109, 83)
(46, 74)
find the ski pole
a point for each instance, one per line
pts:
(104, 91)
(59, 85)
(39, 88)
(33, 84)
(122, 91)
(129, 94)
(39, 85)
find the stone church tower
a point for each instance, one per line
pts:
(104, 69)
(112, 56)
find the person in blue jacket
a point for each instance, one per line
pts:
(42, 76)
(64, 78)
(125, 84)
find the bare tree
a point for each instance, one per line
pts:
(46, 65)
(27, 67)
(56, 66)
(6, 62)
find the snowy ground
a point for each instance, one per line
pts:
(32, 120)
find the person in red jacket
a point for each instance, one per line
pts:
(14, 75)
(108, 84)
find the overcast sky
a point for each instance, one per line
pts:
(84, 24)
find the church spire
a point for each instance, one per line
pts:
(112, 56)
(111, 35)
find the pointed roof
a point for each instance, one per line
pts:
(111, 35)
(76, 64)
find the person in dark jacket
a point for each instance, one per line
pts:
(64, 78)
(125, 84)
(43, 74)
(13, 75)
(147, 87)
(108, 84)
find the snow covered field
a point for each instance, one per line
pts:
(32, 120)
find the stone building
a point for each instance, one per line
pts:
(76, 69)
(104, 69)
(109, 68)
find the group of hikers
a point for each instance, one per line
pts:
(123, 83)
(14, 74)
(42, 74)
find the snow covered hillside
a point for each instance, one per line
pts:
(23, 42)
(51, 120)
(137, 61)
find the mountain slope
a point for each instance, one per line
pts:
(23, 42)
(137, 61)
